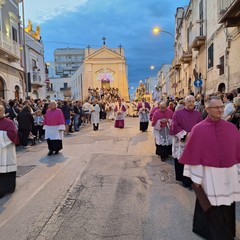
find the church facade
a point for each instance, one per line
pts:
(102, 68)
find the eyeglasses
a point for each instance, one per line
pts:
(217, 107)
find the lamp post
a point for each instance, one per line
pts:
(24, 50)
(157, 30)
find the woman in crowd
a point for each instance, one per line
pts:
(8, 159)
(25, 123)
(235, 117)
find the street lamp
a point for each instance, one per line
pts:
(152, 67)
(157, 30)
(24, 50)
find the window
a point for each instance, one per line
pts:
(221, 65)
(14, 34)
(65, 85)
(201, 17)
(210, 56)
(34, 64)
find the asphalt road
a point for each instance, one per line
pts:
(103, 185)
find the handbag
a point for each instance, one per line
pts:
(15, 122)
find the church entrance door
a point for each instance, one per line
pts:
(105, 84)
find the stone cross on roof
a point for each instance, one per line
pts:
(104, 40)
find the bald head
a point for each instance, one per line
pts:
(189, 98)
(189, 102)
(162, 106)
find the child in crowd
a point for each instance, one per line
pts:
(38, 125)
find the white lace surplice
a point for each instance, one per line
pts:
(54, 132)
(221, 185)
(8, 158)
(162, 136)
(177, 145)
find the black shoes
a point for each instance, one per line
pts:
(50, 152)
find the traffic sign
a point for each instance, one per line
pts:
(198, 83)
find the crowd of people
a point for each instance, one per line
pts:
(200, 133)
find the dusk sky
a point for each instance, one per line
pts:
(78, 23)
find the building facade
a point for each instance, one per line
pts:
(207, 46)
(59, 89)
(102, 68)
(35, 67)
(12, 83)
(68, 60)
(163, 76)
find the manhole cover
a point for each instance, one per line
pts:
(168, 176)
(22, 170)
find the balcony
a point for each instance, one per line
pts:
(66, 91)
(9, 49)
(186, 57)
(229, 13)
(36, 79)
(176, 64)
(198, 42)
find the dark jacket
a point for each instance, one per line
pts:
(25, 119)
(66, 111)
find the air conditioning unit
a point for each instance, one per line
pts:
(219, 66)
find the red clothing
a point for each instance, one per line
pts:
(160, 115)
(213, 144)
(54, 117)
(8, 126)
(152, 112)
(184, 119)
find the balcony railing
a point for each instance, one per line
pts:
(36, 78)
(176, 64)
(198, 42)
(66, 91)
(229, 13)
(9, 48)
(186, 57)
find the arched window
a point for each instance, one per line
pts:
(222, 88)
(1, 88)
(16, 93)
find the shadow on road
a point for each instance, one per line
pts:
(52, 160)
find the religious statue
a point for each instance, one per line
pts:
(28, 29)
(36, 34)
(141, 90)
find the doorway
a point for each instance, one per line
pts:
(222, 88)
(106, 84)
(16, 93)
(1, 88)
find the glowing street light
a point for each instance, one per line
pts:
(157, 30)
(152, 67)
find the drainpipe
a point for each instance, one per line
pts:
(205, 84)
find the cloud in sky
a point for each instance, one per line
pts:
(44, 10)
(78, 23)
